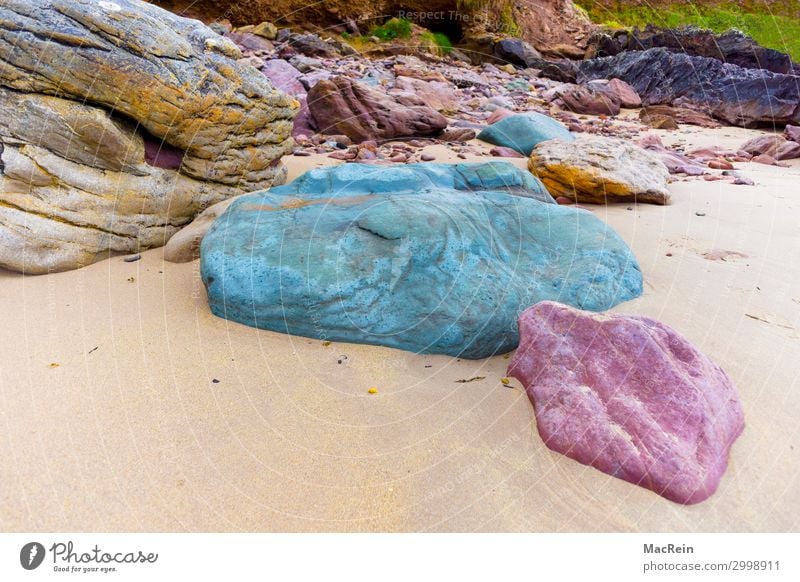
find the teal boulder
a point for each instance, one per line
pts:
(414, 257)
(524, 131)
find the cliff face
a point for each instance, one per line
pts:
(543, 23)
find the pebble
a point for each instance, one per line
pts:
(427, 157)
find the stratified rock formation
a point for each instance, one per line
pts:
(599, 169)
(343, 106)
(629, 396)
(739, 96)
(430, 258)
(120, 122)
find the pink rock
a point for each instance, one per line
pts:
(441, 96)
(629, 396)
(504, 152)
(675, 162)
(498, 115)
(586, 99)
(792, 132)
(720, 165)
(775, 146)
(284, 77)
(618, 90)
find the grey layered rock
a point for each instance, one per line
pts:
(120, 122)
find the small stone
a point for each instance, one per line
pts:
(720, 165)
(427, 158)
(698, 213)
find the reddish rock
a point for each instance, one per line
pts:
(499, 115)
(775, 146)
(459, 134)
(629, 396)
(792, 132)
(340, 105)
(765, 159)
(585, 99)
(617, 90)
(675, 162)
(653, 113)
(720, 165)
(437, 94)
(504, 152)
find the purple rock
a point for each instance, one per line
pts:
(284, 77)
(160, 154)
(629, 396)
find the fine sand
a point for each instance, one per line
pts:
(126, 406)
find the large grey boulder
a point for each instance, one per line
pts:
(120, 122)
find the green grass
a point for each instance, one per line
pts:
(438, 41)
(392, 29)
(778, 32)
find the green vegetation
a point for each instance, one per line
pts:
(392, 29)
(776, 31)
(437, 42)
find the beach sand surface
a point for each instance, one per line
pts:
(125, 405)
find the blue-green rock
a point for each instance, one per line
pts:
(412, 257)
(523, 131)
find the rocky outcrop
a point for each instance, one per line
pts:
(653, 115)
(675, 162)
(599, 170)
(629, 396)
(774, 146)
(120, 122)
(554, 26)
(733, 47)
(423, 257)
(583, 99)
(739, 96)
(342, 106)
(524, 131)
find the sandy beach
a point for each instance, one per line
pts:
(125, 405)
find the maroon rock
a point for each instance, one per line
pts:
(775, 146)
(629, 396)
(504, 152)
(340, 105)
(617, 90)
(792, 132)
(586, 99)
(303, 122)
(160, 154)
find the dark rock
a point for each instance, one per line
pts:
(733, 47)
(629, 396)
(516, 51)
(739, 96)
(312, 45)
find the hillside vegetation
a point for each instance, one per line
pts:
(775, 25)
